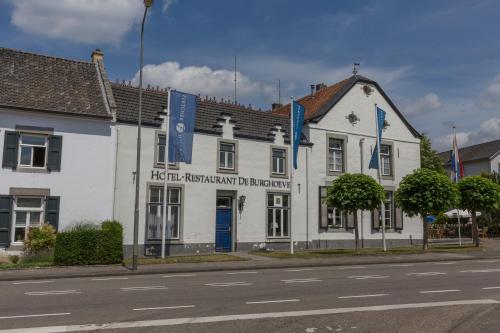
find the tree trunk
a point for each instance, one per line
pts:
(425, 237)
(475, 231)
(356, 232)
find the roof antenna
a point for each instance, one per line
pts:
(235, 79)
(355, 68)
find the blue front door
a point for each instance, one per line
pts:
(224, 218)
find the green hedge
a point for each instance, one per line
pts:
(90, 245)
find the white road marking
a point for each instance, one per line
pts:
(275, 301)
(228, 284)
(242, 272)
(37, 315)
(244, 316)
(144, 288)
(487, 260)
(426, 273)
(446, 263)
(400, 265)
(439, 291)
(481, 270)
(364, 277)
(53, 292)
(299, 269)
(489, 288)
(302, 280)
(362, 296)
(177, 275)
(352, 267)
(110, 278)
(165, 307)
(33, 282)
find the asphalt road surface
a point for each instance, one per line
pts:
(452, 296)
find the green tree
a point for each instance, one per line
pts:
(429, 158)
(478, 193)
(352, 192)
(426, 192)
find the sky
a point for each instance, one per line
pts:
(438, 60)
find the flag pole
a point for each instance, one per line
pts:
(291, 173)
(165, 187)
(455, 144)
(382, 211)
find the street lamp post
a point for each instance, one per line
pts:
(135, 250)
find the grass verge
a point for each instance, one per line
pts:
(187, 259)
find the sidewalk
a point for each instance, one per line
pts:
(491, 251)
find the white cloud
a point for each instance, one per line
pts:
(491, 98)
(204, 80)
(424, 104)
(463, 138)
(488, 130)
(167, 4)
(89, 21)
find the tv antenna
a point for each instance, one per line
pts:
(355, 68)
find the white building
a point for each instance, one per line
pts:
(57, 134)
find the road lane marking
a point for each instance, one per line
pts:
(481, 270)
(487, 260)
(177, 275)
(37, 315)
(242, 272)
(446, 263)
(144, 288)
(52, 292)
(439, 291)
(489, 288)
(109, 278)
(299, 269)
(400, 265)
(426, 273)
(244, 316)
(364, 277)
(362, 296)
(275, 301)
(302, 280)
(34, 282)
(165, 307)
(352, 267)
(228, 284)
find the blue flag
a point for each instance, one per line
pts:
(380, 126)
(182, 111)
(298, 111)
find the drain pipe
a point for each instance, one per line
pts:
(361, 146)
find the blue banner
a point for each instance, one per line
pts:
(182, 112)
(381, 121)
(298, 111)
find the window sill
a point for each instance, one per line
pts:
(335, 173)
(338, 230)
(227, 171)
(277, 175)
(162, 166)
(387, 177)
(31, 170)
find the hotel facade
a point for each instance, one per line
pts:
(235, 196)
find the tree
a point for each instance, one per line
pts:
(429, 158)
(478, 193)
(426, 192)
(352, 192)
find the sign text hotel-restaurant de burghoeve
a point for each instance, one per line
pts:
(69, 153)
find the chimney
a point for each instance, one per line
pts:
(312, 90)
(320, 86)
(97, 56)
(275, 106)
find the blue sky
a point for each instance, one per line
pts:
(438, 60)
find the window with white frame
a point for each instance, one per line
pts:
(32, 151)
(28, 213)
(278, 215)
(389, 210)
(330, 216)
(386, 160)
(155, 213)
(227, 154)
(161, 142)
(278, 156)
(335, 155)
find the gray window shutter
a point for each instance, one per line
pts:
(52, 211)
(350, 221)
(323, 209)
(5, 220)
(398, 219)
(10, 148)
(375, 219)
(54, 153)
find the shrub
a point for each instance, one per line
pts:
(87, 244)
(40, 239)
(14, 259)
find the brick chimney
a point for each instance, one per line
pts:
(97, 55)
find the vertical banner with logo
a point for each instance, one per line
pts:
(374, 162)
(298, 111)
(182, 112)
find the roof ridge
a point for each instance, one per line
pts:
(45, 56)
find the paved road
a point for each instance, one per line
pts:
(420, 297)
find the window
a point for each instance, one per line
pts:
(278, 215)
(330, 217)
(32, 151)
(386, 160)
(160, 151)
(278, 160)
(389, 210)
(28, 213)
(155, 213)
(227, 156)
(335, 155)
